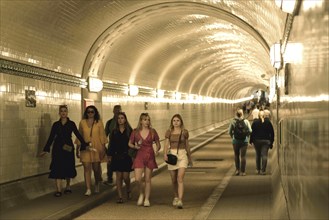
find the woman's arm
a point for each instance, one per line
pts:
(131, 142)
(102, 134)
(158, 145)
(50, 138)
(79, 137)
(188, 150)
(230, 129)
(157, 141)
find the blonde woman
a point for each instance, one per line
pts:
(177, 138)
(262, 137)
(142, 138)
(92, 129)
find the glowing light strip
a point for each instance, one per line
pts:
(319, 98)
(198, 100)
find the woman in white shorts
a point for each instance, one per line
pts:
(176, 136)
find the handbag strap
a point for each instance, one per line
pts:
(179, 140)
(91, 130)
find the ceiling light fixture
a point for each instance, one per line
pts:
(287, 6)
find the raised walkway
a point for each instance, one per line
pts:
(218, 195)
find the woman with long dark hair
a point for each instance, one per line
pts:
(92, 129)
(121, 162)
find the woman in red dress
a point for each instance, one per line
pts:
(142, 138)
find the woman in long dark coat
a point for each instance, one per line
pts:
(62, 164)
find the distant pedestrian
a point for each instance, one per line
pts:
(262, 137)
(62, 155)
(267, 113)
(255, 112)
(239, 131)
(142, 138)
(177, 140)
(92, 129)
(121, 162)
(110, 125)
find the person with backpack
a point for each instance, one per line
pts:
(240, 131)
(262, 137)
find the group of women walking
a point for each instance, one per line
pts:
(91, 148)
(260, 135)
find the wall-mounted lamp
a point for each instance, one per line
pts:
(133, 90)
(190, 97)
(94, 84)
(287, 6)
(293, 53)
(178, 95)
(275, 56)
(160, 93)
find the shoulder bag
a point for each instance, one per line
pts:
(172, 159)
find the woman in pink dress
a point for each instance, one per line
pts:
(142, 138)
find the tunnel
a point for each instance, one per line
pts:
(203, 59)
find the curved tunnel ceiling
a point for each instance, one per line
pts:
(210, 48)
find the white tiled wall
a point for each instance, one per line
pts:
(303, 152)
(24, 130)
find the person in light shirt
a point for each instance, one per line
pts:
(255, 112)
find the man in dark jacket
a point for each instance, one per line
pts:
(110, 125)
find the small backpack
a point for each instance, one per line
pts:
(241, 130)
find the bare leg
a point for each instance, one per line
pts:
(68, 183)
(58, 183)
(119, 176)
(173, 174)
(148, 176)
(97, 172)
(87, 174)
(126, 179)
(97, 175)
(139, 180)
(180, 180)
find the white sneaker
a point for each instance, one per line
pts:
(147, 203)
(140, 200)
(88, 192)
(175, 201)
(180, 204)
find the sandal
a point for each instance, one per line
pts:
(120, 200)
(58, 194)
(67, 191)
